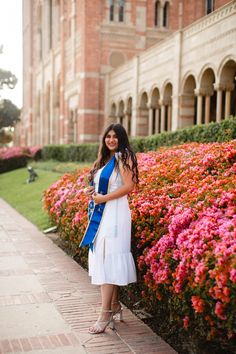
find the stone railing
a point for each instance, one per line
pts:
(210, 19)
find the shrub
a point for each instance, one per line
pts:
(223, 131)
(204, 133)
(80, 152)
(15, 157)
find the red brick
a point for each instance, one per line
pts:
(16, 345)
(34, 341)
(25, 344)
(55, 341)
(6, 346)
(45, 341)
(64, 340)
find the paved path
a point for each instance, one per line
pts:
(47, 302)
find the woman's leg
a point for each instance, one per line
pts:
(106, 313)
(115, 304)
(115, 294)
(107, 293)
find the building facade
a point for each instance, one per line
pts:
(187, 79)
(87, 63)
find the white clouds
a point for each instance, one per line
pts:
(11, 38)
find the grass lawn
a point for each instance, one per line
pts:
(26, 198)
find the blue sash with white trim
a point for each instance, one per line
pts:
(95, 216)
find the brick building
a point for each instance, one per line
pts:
(72, 48)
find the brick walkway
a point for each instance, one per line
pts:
(47, 302)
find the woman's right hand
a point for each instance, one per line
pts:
(89, 190)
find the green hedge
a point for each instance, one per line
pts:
(73, 152)
(13, 163)
(204, 133)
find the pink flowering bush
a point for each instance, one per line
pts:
(16, 157)
(184, 218)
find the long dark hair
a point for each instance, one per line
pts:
(124, 148)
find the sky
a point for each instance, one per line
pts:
(11, 39)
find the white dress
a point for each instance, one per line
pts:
(111, 261)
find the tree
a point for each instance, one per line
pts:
(6, 77)
(9, 114)
(5, 137)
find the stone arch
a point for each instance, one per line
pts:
(188, 102)
(128, 125)
(121, 112)
(113, 110)
(227, 82)
(205, 70)
(143, 99)
(154, 125)
(206, 105)
(166, 108)
(142, 114)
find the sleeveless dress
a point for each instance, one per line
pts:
(111, 261)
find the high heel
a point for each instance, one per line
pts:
(118, 314)
(100, 326)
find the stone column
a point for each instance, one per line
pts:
(157, 115)
(150, 120)
(163, 115)
(169, 109)
(227, 103)
(207, 108)
(229, 88)
(218, 88)
(199, 106)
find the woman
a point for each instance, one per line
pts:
(111, 263)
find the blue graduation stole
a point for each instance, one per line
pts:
(96, 211)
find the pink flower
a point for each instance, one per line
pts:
(198, 304)
(219, 310)
(186, 322)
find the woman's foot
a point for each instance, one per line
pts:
(117, 310)
(105, 319)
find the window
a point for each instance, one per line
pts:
(121, 10)
(165, 14)
(209, 6)
(111, 10)
(157, 13)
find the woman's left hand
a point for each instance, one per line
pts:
(98, 198)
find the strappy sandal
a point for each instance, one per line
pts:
(100, 326)
(118, 313)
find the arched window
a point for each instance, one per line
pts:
(111, 10)
(121, 10)
(209, 6)
(157, 13)
(166, 15)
